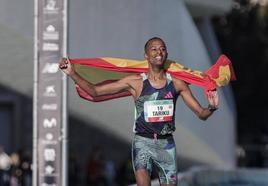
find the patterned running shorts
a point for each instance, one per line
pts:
(158, 152)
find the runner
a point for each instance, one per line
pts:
(155, 94)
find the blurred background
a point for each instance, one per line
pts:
(196, 33)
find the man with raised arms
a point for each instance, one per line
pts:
(155, 94)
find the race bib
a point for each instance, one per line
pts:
(158, 110)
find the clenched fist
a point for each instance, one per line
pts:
(66, 66)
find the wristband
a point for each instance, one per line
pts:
(212, 108)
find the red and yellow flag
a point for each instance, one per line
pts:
(105, 70)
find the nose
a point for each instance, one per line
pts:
(159, 51)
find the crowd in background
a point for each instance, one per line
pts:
(16, 170)
(100, 170)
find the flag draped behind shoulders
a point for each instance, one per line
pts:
(105, 70)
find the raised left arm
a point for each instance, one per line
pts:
(193, 104)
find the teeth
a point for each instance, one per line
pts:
(158, 57)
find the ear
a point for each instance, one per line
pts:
(145, 56)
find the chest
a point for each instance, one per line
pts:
(166, 90)
(158, 84)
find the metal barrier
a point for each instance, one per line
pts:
(200, 176)
(217, 177)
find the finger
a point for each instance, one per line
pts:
(214, 95)
(62, 67)
(68, 59)
(62, 61)
(216, 99)
(209, 96)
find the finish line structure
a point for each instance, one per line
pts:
(50, 94)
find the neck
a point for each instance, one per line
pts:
(156, 74)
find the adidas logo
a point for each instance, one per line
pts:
(169, 95)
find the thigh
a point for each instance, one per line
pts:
(141, 154)
(165, 159)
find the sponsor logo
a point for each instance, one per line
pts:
(49, 170)
(49, 136)
(45, 142)
(50, 33)
(51, 7)
(52, 106)
(50, 123)
(50, 91)
(50, 68)
(50, 47)
(50, 154)
(46, 184)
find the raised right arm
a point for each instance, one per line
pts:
(124, 84)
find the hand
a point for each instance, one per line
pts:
(66, 66)
(213, 98)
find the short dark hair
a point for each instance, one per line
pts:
(150, 41)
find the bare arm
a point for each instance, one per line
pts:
(193, 104)
(124, 84)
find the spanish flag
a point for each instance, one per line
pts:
(105, 70)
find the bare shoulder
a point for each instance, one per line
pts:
(134, 83)
(133, 77)
(131, 80)
(179, 84)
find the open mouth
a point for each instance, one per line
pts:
(158, 58)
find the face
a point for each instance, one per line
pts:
(156, 53)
